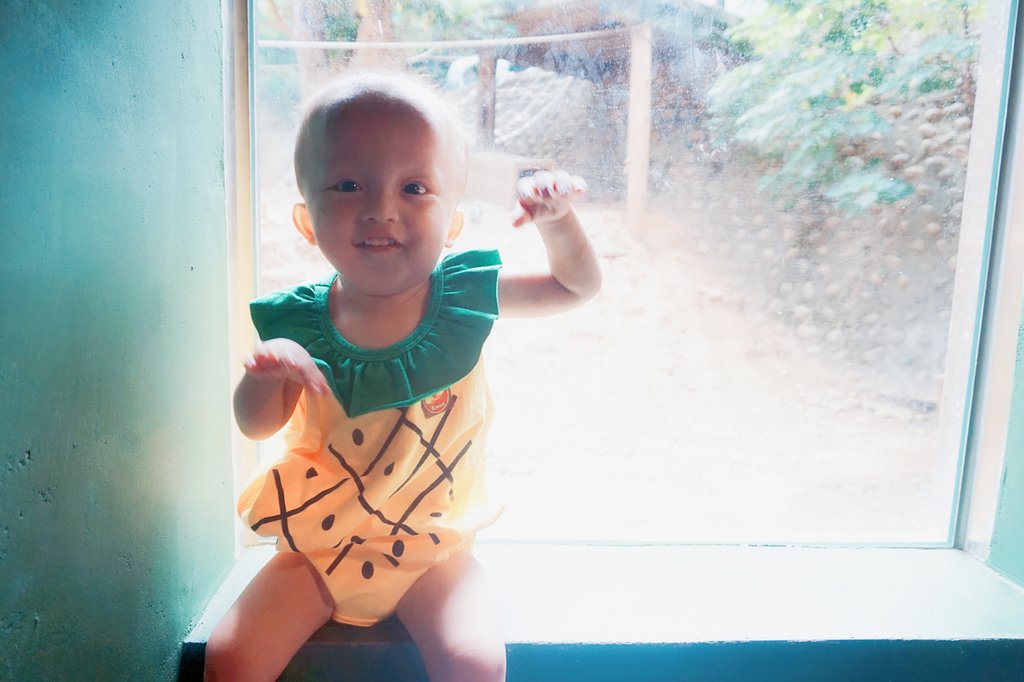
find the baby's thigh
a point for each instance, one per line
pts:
(452, 615)
(276, 613)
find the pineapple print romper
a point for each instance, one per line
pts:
(385, 478)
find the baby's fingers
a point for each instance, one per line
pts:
(287, 361)
(568, 185)
(521, 216)
(565, 184)
(541, 184)
(545, 184)
(261, 362)
(314, 380)
(304, 371)
(526, 188)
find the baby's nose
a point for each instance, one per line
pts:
(379, 207)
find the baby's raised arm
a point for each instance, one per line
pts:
(275, 375)
(575, 275)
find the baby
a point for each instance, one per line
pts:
(376, 372)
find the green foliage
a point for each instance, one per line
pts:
(338, 20)
(857, 189)
(447, 20)
(820, 73)
(341, 24)
(683, 23)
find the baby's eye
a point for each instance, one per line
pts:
(347, 186)
(414, 188)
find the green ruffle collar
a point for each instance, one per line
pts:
(443, 348)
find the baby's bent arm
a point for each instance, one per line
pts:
(275, 375)
(574, 277)
(264, 404)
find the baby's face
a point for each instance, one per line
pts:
(381, 196)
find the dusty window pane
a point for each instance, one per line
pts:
(766, 359)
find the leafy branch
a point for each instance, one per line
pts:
(820, 78)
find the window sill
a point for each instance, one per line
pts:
(722, 613)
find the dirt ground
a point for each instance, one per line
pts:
(662, 411)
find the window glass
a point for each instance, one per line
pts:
(776, 193)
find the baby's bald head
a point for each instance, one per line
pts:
(359, 92)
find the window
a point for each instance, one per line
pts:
(783, 196)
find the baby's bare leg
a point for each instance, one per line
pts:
(276, 613)
(452, 616)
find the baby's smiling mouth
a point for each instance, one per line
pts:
(378, 244)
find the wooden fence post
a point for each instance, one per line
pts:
(638, 138)
(487, 89)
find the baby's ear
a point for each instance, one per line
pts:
(455, 228)
(300, 216)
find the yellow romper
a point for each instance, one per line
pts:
(384, 479)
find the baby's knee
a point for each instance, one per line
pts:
(486, 666)
(225, 660)
(221, 663)
(473, 663)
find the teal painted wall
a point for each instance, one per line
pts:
(114, 470)
(1007, 555)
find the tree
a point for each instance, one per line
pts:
(370, 21)
(825, 76)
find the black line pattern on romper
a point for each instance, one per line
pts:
(430, 446)
(362, 489)
(446, 474)
(285, 513)
(284, 519)
(356, 540)
(408, 512)
(387, 442)
(426, 491)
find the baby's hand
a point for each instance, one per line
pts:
(546, 197)
(287, 360)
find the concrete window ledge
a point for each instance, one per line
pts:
(637, 613)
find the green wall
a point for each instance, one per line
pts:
(1007, 554)
(115, 474)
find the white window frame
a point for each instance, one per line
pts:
(998, 261)
(239, 161)
(986, 316)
